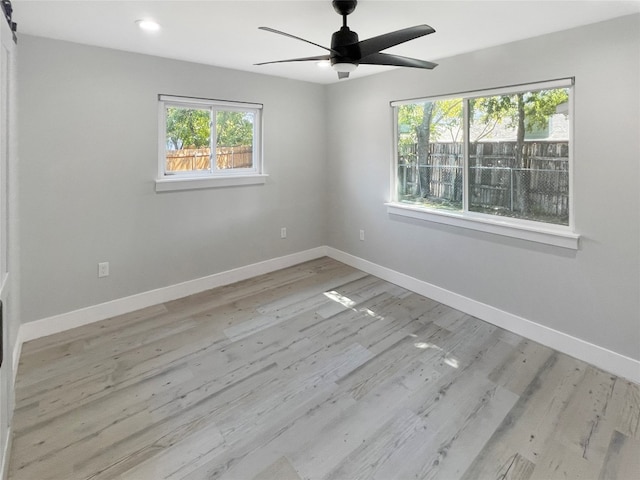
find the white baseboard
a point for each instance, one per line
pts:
(17, 350)
(608, 360)
(4, 467)
(84, 316)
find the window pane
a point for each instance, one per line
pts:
(519, 155)
(234, 135)
(430, 154)
(188, 137)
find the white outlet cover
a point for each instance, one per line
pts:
(103, 269)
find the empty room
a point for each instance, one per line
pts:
(315, 239)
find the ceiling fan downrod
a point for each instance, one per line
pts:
(344, 8)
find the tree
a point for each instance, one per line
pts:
(422, 123)
(188, 128)
(234, 129)
(523, 112)
(191, 128)
(423, 134)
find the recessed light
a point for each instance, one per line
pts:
(148, 25)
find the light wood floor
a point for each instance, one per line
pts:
(318, 371)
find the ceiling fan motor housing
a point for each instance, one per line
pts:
(345, 41)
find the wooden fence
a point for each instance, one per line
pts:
(194, 159)
(537, 187)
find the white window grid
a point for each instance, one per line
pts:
(213, 106)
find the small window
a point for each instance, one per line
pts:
(202, 138)
(500, 154)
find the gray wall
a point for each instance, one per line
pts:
(88, 152)
(592, 294)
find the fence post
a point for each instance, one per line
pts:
(511, 188)
(404, 178)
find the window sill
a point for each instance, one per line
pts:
(193, 183)
(559, 237)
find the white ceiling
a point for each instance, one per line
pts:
(225, 33)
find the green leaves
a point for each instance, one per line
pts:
(538, 107)
(234, 128)
(444, 118)
(188, 127)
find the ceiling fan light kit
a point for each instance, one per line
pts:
(347, 51)
(345, 67)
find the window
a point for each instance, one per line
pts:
(205, 143)
(498, 157)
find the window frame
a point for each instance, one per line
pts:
(213, 177)
(535, 231)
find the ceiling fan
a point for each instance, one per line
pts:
(347, 52)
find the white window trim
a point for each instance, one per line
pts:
(199, 182)
(539, 232)
(525, 230)
(173, 181)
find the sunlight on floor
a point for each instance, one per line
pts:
(451, 361)
(348, 303)
(341, 299)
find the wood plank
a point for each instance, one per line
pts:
(531, 423)
(622, 460)
(280, 469)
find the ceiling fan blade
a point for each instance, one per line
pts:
(303, 59)
(342, 75)
(396, 61)
(273, 30)
(387, 40)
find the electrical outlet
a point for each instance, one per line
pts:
(103, 269)
(283, 232)
(362, 235)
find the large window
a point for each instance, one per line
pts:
(202, 138)
(502, 154)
